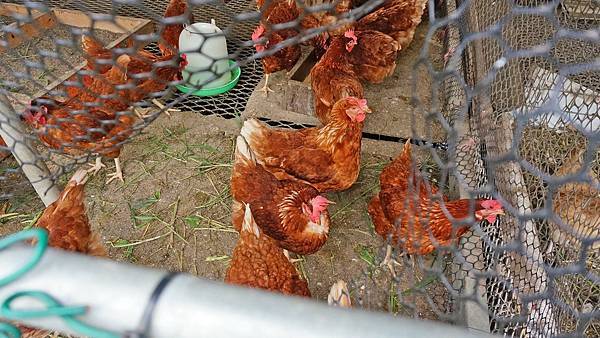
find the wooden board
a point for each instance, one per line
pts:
(42, 21)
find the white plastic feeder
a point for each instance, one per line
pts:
(203, 43)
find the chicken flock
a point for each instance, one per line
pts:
(279, 177)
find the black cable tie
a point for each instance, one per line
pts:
(146, 321)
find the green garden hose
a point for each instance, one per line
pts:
(53, 307)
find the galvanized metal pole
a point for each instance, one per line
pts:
(116, 294)
(12, 131)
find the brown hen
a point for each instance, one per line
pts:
(151, 73)
(101, 129)
(577, 204)
(327, 158)
(405, 210)
(4, 153)
(105, 125)
(367, 56)
(290, 212)
(67, 222)
(69, 229)
(332, 79)
(259, 262)
(373, 54)
(279, 12)
(98, 57)
(396, 18)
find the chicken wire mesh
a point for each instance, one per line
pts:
(521, 78)
(528, 81)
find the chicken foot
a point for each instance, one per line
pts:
(292, 260)
(97, 166)
(265, 89)
(117, 174)
(139, 114)
(162, 107)
(389, 261)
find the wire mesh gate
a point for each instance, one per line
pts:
(521, 78)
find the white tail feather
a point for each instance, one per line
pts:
(250, 128)
(80, 177)
(248, 224)
(242, 149)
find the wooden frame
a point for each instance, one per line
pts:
(43, 21)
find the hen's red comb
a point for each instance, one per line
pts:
(258, 32)
(491, 204)
(350, 34)
(350, 45)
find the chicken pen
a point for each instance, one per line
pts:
(499, 100)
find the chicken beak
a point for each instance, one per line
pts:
(367, 110)
(327, 201)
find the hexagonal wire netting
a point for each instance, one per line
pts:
(521, 79)
(528, 81)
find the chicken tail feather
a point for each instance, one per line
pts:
(171, 32)
(243, 151)
(250, 130)
(248, 224)
(80, 177)
(91, 46)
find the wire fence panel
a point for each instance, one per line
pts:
(503, 105)
(531, 95)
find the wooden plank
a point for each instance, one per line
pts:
(6, 9)
(143, 27)
(80, 19)
(40, 23)
(120, 24)
(44, 21)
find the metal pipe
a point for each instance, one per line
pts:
(116, 294)
(12, 131)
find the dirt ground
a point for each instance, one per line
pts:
(173, 211)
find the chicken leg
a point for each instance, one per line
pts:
(389, 261)
(292, 260)
(139, 114)
(162, 107)
(265, 89)
(97, 166)
(117, 174)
